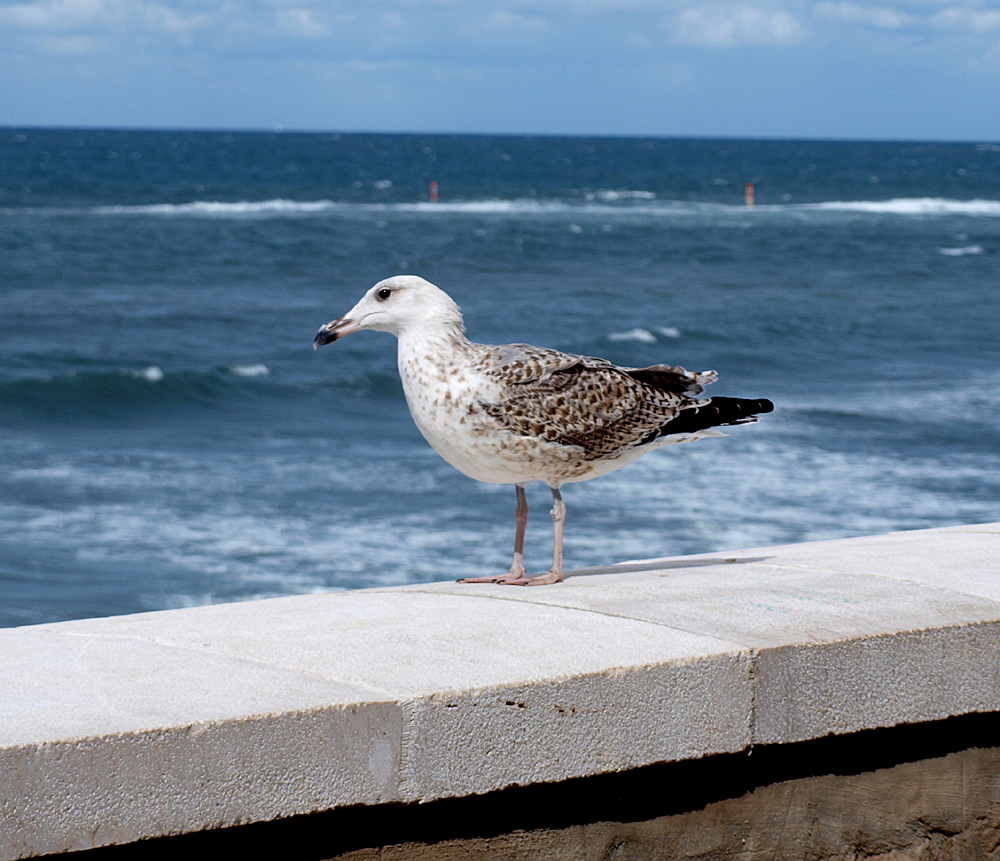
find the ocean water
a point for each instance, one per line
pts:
(168, 436)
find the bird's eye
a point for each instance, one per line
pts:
(384, 294)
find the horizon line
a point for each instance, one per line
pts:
(280, 130)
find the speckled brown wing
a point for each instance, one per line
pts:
(585, 402)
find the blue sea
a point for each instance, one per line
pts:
(169, 438)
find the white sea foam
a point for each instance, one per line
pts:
(516, 206)
(603, 203)
(295, 207)
(975, 397)
(250, 370)
(961, 251)
(600, 203)
(761, 486)
(621, 195)
(643, 336)
(913, 206)
(153, 374)
(212, 207)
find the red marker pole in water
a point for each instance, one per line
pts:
(749, 193)
(434, 191)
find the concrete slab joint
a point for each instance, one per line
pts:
(114, 730)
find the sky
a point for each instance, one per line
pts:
(841, 69)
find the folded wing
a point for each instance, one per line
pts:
(591, 404)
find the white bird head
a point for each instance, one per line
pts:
(399, 304)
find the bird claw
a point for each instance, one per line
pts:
(545, 579)
(517, 578)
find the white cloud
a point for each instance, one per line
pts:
(967, 20)
(505, 23)
(882, 17)
(61, 16)
(512, 21)
(300, 22)
(725, 26)
(53, 15)
(160, 19)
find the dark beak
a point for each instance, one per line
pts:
(334, 329)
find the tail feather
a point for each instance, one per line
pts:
(718, 412)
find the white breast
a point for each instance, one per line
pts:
(444, 392)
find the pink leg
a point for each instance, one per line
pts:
(516, 573)
(555, 574)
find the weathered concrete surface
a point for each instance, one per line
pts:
(113, 730)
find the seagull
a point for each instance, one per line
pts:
(514, 414)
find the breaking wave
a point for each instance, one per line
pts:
(607, 203)
(646, 336)
(212, 207)
(961, 251)
(914, 206)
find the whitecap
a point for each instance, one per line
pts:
(609, 195)
(250, 370)
(153, 374)
(644, 336)
(295, 207)
(284, 208)
(603, 203)
(668, 331)
(962, 251)
(913, 206)
(214, 207)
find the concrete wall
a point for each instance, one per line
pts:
(862, 796)
(379, 703)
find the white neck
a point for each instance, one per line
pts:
(438, 338)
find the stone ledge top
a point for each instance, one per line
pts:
(137, 726)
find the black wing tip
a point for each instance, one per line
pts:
(738, 410)
(718, 412)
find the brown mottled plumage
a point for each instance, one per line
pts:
(585, 402)
(515, 413)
